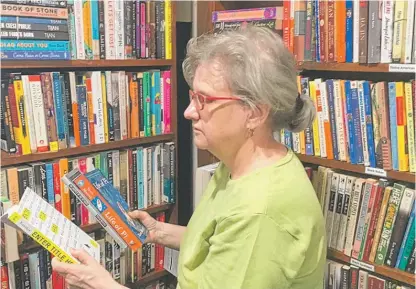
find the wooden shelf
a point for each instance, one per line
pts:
(149, 278)
(13, 160)
(351, 67)
(96, 226)
(72, 64)
(394, 175)
(384, 271)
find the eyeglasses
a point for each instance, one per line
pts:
(201, 99)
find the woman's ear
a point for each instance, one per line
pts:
(257, 116)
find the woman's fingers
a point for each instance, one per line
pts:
(63, 268)
(82, 256)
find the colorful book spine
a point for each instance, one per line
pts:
(369, 124)
(393, 125)
(410, 121)
(401, 118)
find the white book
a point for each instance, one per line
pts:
(38, 112)
(48, 227)
(353, 216)
(29, 113)
(363, 123)
(156, 175)
(409, 31)
(339, 118)
(98, 107)
(119, 29)
(122, 98)
(109, 23)
(116, 169)
(296, 142)
(79, 29)
(387, 31)
(356, 30)
(320, 116)
(146, 200)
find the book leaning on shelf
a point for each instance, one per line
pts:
(49, 228)
(104, 201)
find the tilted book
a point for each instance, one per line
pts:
(104, 201)
(48, 227)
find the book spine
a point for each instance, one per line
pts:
(35, 35)
(33, 11)
(379, 226)
(392, 210)
(363, 44)
(399, 26)
(408, 241)
(168, 29)
(69, 120)
(95, 30)
(29, 111)
(339, 120)
(101, 28)
(369, 124)
(45, 3)
(393, 125)
(72, 31)
(79, 29)
(409, 34)
(387, 31)
(15, 26)
(356, 31)
(399, 229)
(402, 144)
(364, 135)
(410, 127)
(110, 37)
(374, 32)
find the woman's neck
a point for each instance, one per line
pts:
(256, 152)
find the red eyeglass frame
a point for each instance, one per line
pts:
(194, 94)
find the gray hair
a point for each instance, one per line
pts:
(259, 69)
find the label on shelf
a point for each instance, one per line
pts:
(376, 172)
(397, 67)
(363, 265)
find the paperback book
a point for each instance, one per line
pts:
(104, 201)
(49, 228)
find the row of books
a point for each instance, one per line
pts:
(359, 122)
(351, 31)
(88, 29)
(33, 269)
(51, 111)
(369, 220)
(24, 37)
(144, 176)
(340, 276)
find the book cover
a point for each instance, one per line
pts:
(48, 227)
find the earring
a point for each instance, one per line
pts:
(250, 132)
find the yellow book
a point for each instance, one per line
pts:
(315, 126)
(22, 132)
(410, 125)
(104, 93)
(168, 29)
(86, 11)
(399, 28)
(403, 154)
(65, 199)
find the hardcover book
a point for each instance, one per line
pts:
(48, 227)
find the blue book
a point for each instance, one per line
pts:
(59, 110)
(49, 184)
(30, 20)
(369, 124)
(47, 46)
(351, 135)
(34, 55)
(407, 242)
(393, 126)
(317, 30)
(358, 143)
(349, 37)
(117, 203)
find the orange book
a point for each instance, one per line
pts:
(299, 34)
(75, 113)
(134, 108)
(108, 206)
(292, 26)
(340, 30)
(286, 23)
(65, 199)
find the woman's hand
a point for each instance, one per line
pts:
(87, 275)
(154, 227)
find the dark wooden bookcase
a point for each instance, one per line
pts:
(10, 160)
(375, 72)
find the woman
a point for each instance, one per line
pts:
(259, 224)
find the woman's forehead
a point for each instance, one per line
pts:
(210, 76)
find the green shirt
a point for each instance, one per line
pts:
(262, 231)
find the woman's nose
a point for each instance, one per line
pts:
(191, 112)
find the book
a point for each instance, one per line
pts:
(49, 228)
(107, 205)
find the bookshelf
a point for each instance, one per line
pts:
(384, 271)
(330, 70)
(128, 65)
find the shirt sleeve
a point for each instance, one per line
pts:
(251, 251)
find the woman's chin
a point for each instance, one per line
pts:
(200, 141)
